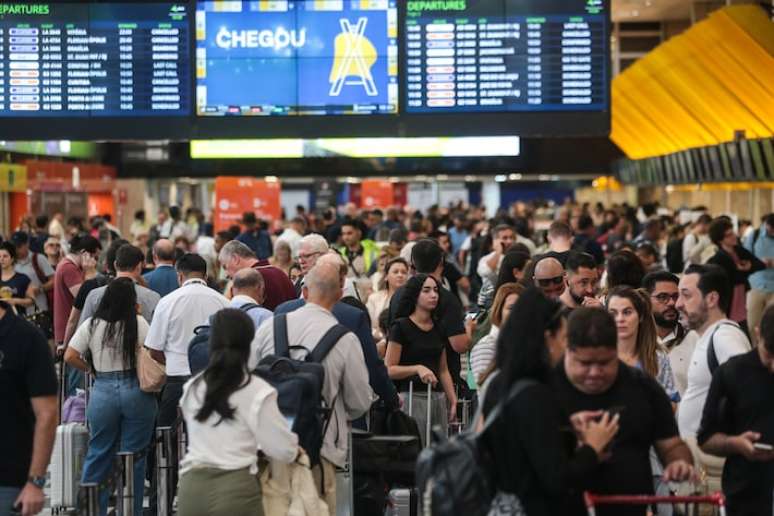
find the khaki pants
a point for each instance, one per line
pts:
(328, 471)
(757, 302)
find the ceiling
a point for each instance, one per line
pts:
(651, 10)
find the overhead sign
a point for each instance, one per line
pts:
(236, 195)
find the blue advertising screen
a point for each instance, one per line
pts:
(297, 57)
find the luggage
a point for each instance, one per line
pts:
(199, 347)
(402, 501)
(299, 385)
(393, 456)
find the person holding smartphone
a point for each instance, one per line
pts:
(738, 423)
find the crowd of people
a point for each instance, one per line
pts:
(647, 337)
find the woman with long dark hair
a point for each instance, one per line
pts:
(534, 462)
(121, 416)
(416, 352)
(230, 414)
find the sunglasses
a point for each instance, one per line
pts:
(664, 298)
(547, 282)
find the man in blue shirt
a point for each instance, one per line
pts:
(457, 235)
(248, 291)
(761, 293)
(254, 237)
(163, 279)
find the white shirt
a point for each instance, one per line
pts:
(232, 444)
(107, 356)
(485, 271)
(680, 358)
(729, 341)
(176, 317)
(528, 242)
(25, 267)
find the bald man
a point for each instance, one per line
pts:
(348, 288)
(346, 376)
(248, 293)
(163, 279)
(550, 277)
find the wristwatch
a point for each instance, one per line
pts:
(39, 482)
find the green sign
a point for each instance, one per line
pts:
(24, 9)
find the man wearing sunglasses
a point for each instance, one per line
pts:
(662, 287)
(550, 277)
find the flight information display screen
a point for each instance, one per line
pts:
(297, 57)
(505, 55)
(62, 59)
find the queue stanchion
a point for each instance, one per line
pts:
(91, 498)
(125, 487)
(165, 448)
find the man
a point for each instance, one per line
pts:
(358, 253)
(248, 289)
(293, 233)
(128, 264)
(346, 386)
(255, 238)
(649, 257)
(651, 234)
(761, 294)
(163, 279)
(36, 267)
(586, 239)
(591, 380)
(739, 414)
(458, 234)
(457, 281)
(503, 236)
(310, 248)
(28, 405)
(39, 235)
(236, 256)
(672, 335)
(705, 295)
(559, 241)
(695, 242)
(550, 277)
(581, 281)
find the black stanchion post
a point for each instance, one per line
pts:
(91, 499)
(125, 488)
(164, 463)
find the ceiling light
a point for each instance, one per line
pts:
(500, 178)
(514, 177)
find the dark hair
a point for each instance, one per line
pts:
(231, 332)
(646, 345)
(624, 268)
(225, 235)
(712, 278)
(559, 229)
(128, 257)
(110, 255)
(704, 218)
(578, 259)
(398, 235)
(8, 246)
(356, 303)
(511, 260)
(85, 243)
(118, 308)
(591, 328)
(767, 329)
(139, 215)
(411, 290)
(384, 321)
(585, 222)
(718, 228)
(650, 280)
(387, 266)
(356, 224)
(174, 212)
(20, 238)
(500, 228)
(191, 263)
(426, 256)
(41, 221)
(521, 347)
(648, 249)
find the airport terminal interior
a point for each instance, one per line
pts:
(387, 257)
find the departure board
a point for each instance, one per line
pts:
(62, 59)
(505, 55)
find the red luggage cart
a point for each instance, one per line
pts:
(592, 500)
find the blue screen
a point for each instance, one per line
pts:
(297, 57)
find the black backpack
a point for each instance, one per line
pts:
(299, 385)
(199, 347)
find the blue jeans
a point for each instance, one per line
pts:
(8, 496)
(121, 418)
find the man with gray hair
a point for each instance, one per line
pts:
(346, 386)
(248, 294)
(310, 248)
(236, 256)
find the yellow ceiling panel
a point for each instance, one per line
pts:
(699, 87)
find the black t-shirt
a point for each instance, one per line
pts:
(452, 274)
(645, 417)
(418, 347)
(16, 287)
(562, 257)
(451, 322)
(26, 371)
(96, 282)
(741, 399)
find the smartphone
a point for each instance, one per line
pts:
(763, 447)
(470, 316)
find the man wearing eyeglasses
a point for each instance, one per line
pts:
(550, 277)
(662, 287)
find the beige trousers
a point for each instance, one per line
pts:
(329, 492)
(757, 302)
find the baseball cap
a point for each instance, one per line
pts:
(20, 238)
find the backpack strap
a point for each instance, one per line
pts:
(281, 348)
(516, 389)
(248, 306)
(38, 271)
(326, 344)
(712, 357)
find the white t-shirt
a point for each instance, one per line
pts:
(729, 341)
(232, 444)
(107, 355)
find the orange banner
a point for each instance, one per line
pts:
(376, 193)
(236, 195)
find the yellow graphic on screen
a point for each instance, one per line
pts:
(355, 55)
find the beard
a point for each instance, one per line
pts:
(578, 299)
(667, 322)
(695, 320)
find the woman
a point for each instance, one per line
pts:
(533, 459)
(512, 269)
(637, 338)
(483, 354)
(295, 272)
(738, 263)
(15, 288)
(230, 414)
(624, 268)
(53, 250)
(416, 352)
(283, 257)
(121, 416)
(394, 277)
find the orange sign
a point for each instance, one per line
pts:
(376, 193)
(236, 195)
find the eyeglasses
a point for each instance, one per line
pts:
(305, 257)
(547, 282)
(664, 298)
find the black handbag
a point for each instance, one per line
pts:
(43, 320)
